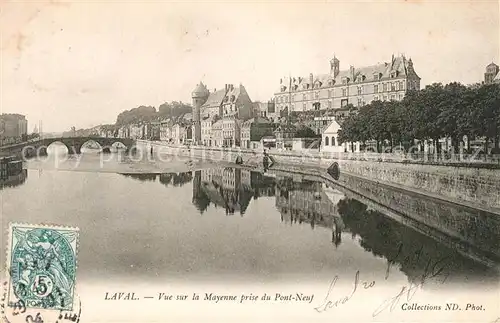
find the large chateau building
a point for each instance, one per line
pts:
(357, 86)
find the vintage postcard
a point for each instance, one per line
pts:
(249, 161)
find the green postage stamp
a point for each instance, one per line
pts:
(41, 262)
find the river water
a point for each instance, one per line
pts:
(222, 226)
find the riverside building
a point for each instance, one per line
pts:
(357, 86)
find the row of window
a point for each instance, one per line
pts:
(377, 88)
(331, 142)
(360, 102)
(345, 81)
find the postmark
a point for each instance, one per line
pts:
(41, 266)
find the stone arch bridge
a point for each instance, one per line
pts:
(74, 145)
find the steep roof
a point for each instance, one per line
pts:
(233, 95)
(257, 119)
(200, 90)
(399, 64)
(332, 128)
(214, 99)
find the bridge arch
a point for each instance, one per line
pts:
(74, 144)
(52, 147)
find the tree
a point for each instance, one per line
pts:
(142, 113)
(486, 114)
(173, 109)
(305, 132)
(451, 112)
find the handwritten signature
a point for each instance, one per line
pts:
(432, 269)
(328, 303)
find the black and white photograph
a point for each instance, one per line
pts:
(250, 161)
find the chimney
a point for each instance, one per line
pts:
(351, 70)
(232, 87)
(311, 79)
(225, 87)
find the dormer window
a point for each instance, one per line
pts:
(233, 98)
(345, 80)
(226, 99)
(394, 74)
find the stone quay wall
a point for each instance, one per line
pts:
(470, 185)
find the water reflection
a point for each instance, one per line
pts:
(341, 225)
(142, 177)
(316, 204)
(403, 247)
(176, 179)
(14, 180)
(222, 187)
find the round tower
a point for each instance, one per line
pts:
(199, 96)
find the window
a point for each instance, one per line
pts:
(304, 106)
(400, 96)
(393, 86)
(376, 76)
(329, 93)
(385, 87)
(397, 86)
(326, 141)
(385, 97)
(344, 102)
(375, 88)
(344, 92)
(375, 98)
(360, 90)
(402, 85)
(360, 102)
(317, 95)
(304, 97)
(344, 80)
(286, 99)
(393, 97)
(329, 104)
(333, 141)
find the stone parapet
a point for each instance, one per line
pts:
(475, 185)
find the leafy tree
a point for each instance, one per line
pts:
(142, 113)
(487, 110)
(305, 132)
(174, 109)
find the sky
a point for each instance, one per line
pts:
(81, 63)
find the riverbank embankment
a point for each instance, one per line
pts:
(472, 185)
